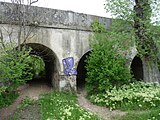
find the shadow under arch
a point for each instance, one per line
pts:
(81, 71)
(51, 61)
(137, 68)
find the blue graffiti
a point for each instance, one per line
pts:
(68, 64)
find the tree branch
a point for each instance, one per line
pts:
(1, 38)
(31, 2)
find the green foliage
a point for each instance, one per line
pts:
(153, 114)
(25, 103)
(98, 27)
(15, 69)
(7, 99)
(142, 15)
(106, 66)
(37, 64)
(62, 106)
(120, 9)
(135, 96)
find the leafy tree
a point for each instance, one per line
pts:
(143, 23)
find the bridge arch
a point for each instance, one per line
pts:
(81, 71)
(137, 68)
(52, 64)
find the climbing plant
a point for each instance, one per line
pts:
(143, 16)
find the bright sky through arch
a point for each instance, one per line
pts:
(93, 7)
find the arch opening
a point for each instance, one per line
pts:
(81, 72)
(50, 67)
(137, 68)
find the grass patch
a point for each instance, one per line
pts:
(7, 99)
(153, 114)
(62, 106)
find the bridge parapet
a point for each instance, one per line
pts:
(46, 17)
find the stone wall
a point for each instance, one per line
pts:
(46, 17)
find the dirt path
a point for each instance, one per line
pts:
(32, 91)
(32, 113)
(103, 112)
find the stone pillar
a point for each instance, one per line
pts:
(67, 83)
(55, 80)
(150, 71)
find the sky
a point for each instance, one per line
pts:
(93, 7)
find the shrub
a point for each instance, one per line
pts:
(15, 69)
(106, 65)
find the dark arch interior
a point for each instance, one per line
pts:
(137, 68)
(49, 59)
(81, 72)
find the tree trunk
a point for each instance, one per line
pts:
(145, 42)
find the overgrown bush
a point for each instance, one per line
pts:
(14, 68)
(106, 64)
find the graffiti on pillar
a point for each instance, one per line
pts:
(68, 64)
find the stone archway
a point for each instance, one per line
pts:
(137, 68)
(81, 72)
(51, 63)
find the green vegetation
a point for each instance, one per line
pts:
(25, 103)
(105, 66)
(153, 114)
(16, 67)
(142, 17)
(7, 99)
(37, 64)
(108, 82)
(56, 106)
(134, 96)
(62, 106)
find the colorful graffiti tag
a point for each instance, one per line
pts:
(68, 64)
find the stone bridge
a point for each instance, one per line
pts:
(59, 37)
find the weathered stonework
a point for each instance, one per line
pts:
(46, 17)
(68, 83)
